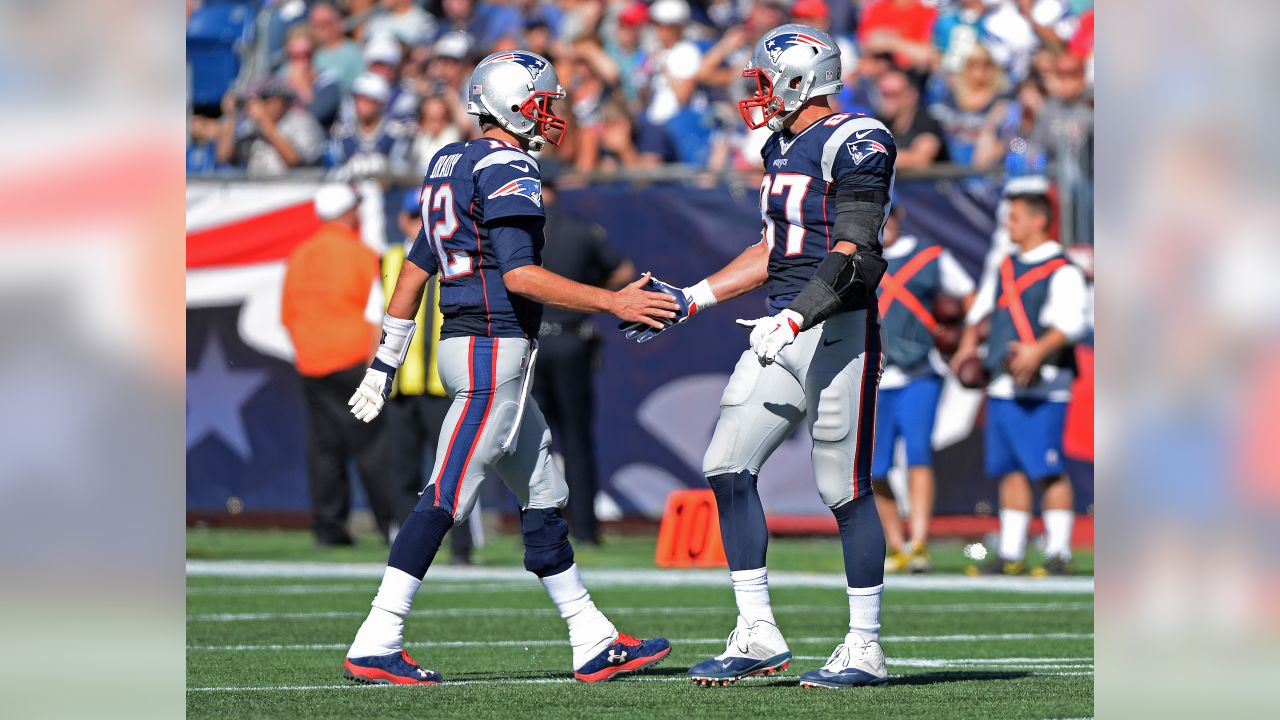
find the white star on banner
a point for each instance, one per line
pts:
(221, 392)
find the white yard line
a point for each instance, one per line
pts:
(596, 577)
(534, 681)
(435, 587)
(699, 610)
(674, 641)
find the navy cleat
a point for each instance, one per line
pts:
(394, 669)
(856, 662)
(624, 655)
(757, 649)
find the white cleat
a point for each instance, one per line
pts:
(757, 649)
(856, 662)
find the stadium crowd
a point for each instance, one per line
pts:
(366, 87)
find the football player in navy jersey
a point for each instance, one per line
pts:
(482, 233)
(824, 199)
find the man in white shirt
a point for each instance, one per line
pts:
(1039, 307)
(911, 383)
(673, 87)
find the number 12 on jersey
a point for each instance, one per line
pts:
(792, 186)
(452, 263)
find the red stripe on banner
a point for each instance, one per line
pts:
(257, 239)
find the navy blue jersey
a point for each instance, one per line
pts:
(798, 192)
(391, 140)
(482, 216)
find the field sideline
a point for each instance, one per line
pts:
(268, 620)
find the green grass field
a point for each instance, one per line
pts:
(269, 618)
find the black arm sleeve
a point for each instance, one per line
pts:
(848, 282)
(859, 217)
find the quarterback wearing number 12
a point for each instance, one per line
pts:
(824, 199)
(482, 234)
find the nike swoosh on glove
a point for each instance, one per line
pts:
(770, 334)
(369, 398)
(642, 333)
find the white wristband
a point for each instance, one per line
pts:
(700, 297)
(396, 335)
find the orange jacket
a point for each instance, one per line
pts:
(326, 291)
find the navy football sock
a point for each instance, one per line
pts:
(419, 539)
(546, 542)
(742, 525)
(863, 541)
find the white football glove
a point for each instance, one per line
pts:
(368, 399)
(770, 334)
(374, 390)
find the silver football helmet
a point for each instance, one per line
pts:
(516, 88)
(790, 64)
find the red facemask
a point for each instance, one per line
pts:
(763, 100)
(538, 109)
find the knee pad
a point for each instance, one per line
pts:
(546, 542)
(833, 470)
(835, 412)
(719, 456)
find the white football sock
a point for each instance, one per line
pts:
(1057, 532)
(864, 611)
(382, 632)
(751, 590)
(589, 630)
(1013, 534)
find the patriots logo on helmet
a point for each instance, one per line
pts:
(862, 149)
(780, 42)
(534, 64)
(525, 187)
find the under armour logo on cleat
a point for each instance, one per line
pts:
(618, 657)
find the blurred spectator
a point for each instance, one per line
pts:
(1007, 138)
(373, 144)
(581, 19)
(957, 31)
(383, 57)
(973, 100)
(617, 151)
(436, 128)
(1081, 44)
(623, 45)
(335, 52)
(491, 26)
(1067, 118)
(1014, 29)
(902, 27)
(331, 307)
(318, 91)
(202, 144)
(402, 20)
(861, 91)
(272, 135)
(591, 75)
(538, 39)
(448, 70)
(918, 135)
(672, 129)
